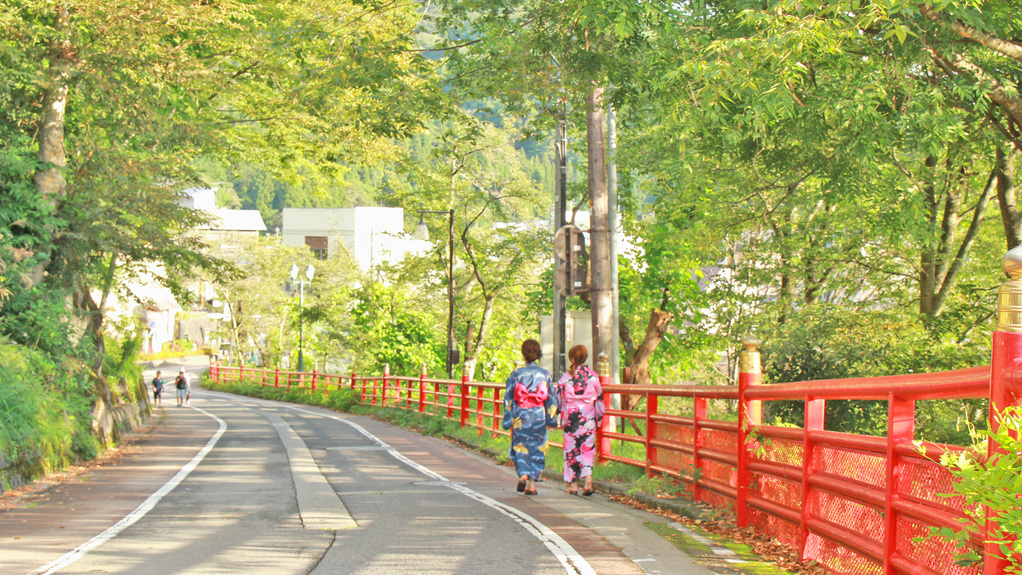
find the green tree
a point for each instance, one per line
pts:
(475, 169)
(108, 104)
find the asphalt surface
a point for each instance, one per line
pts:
(240, 485)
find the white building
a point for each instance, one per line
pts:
(371, 236)
(225, 226)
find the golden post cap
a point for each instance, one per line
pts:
(750, 357)
(602, 365)
(1009, 295)
(1012, 262)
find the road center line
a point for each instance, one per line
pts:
(142, 509)
(318, 504)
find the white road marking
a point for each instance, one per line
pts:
(570, 559)
(139, 511)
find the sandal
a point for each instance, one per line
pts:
(573, 492)
(588, 492)
(530, 492)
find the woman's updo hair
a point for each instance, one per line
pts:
(577, 355)
(531, 350)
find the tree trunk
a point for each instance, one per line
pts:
(659, 320)
(472, 353)
(1005, 170)
(927, 259)
(49, 178)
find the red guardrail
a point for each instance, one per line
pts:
(854, 503)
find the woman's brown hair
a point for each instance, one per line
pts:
(578, 356)
(530, 350)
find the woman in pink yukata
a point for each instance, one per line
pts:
(579, 390)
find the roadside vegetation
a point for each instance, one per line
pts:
(838, 179)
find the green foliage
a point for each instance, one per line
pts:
(833, 342)
(44, 424)
(121, 359)
(402, 334)
(990, 483)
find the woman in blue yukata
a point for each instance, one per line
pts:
(530, 406)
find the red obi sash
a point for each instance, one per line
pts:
(526, 399)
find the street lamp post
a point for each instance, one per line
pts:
(422, 233)
(309, 272)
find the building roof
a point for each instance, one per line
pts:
(237, 220)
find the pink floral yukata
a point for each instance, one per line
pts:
(578, 393)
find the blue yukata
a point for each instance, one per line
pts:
(530, 406)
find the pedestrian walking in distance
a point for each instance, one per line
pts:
(184, 388)
(530, 406)
(158, 389)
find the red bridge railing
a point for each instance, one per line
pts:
(855, 504)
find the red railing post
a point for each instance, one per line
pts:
(652, 404)
(450, 400)
(748, 415)
(422, 389)
(479, 409)
(815, 418)
(602, 441)
(901, 429)
(1005, 379)
(241, 370)
(383, 393)
(698, 416)
(276, 377)
(496, 411)
(464, 396)
(314, 374)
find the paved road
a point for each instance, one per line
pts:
(240, 485)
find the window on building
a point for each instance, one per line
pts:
(318, 245)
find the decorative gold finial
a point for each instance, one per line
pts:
(423, 372)
(1009, 296)
(750, 357)
(602, 365)
(1012, 263)
(465, 370)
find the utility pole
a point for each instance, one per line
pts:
(599, 229)
(615, 355)
(560, 207)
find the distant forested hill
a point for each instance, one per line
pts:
(247, 186)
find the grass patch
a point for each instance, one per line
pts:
(747, 560)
